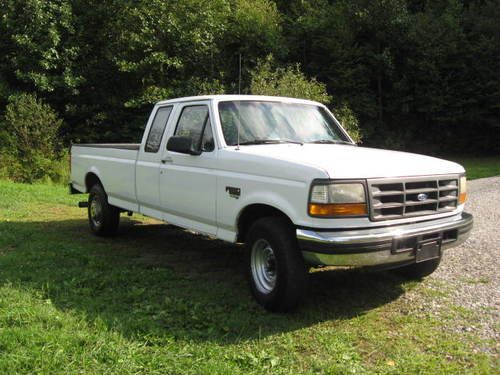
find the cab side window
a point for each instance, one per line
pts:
(157, 129)
(194, 123)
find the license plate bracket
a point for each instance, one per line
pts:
(427, 251)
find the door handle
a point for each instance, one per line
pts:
(167, 159)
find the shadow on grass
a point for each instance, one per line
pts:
(158, 283)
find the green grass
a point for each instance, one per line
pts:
(158, 300)
(479, 167)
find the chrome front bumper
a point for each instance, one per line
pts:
(390, 245)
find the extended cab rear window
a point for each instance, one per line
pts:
(157, 129)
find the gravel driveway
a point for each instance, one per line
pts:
(469, 274)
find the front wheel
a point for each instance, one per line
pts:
(276, 270)
(103, 217)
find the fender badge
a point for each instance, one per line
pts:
(234, 192)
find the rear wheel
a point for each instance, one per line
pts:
(103, 217)
(418, 271)
(276, 270)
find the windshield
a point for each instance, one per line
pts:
(261, 122)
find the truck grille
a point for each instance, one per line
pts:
(398, 198)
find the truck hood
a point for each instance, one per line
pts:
(345, 161)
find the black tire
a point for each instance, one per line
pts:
(103, 217)
(286, 263)
(417, 271)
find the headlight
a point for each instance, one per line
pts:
(462, 190)
(334, 199)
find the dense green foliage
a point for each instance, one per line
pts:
(419, 74)
(29, 146)
(415, 74)
(289, 81)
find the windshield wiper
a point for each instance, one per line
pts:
(331, 141)
(269, 142)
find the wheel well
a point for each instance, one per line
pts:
(255, 212)
(90, 180)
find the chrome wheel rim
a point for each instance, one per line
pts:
(263, 265)
(95, 212)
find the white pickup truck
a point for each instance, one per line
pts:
(282, 176)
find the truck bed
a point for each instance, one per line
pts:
(113, 164)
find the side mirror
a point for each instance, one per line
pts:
(184, 145)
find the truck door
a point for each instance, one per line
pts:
(147, 175)
(188, 182)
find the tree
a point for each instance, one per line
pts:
(37, 53)
(253, 32)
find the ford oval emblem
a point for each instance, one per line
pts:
(422, 197)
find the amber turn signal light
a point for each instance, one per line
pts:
(462, 188)
(462, 198)
(338, 209)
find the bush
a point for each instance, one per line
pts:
(28, 141)
(291, 82)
